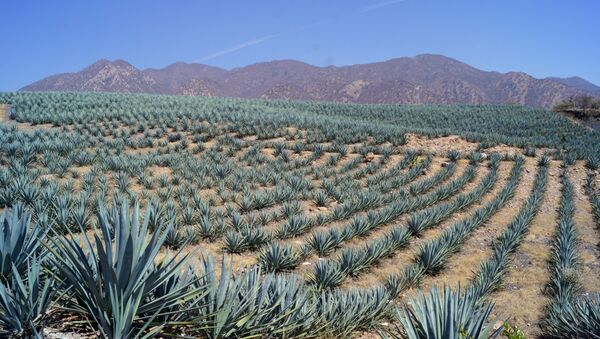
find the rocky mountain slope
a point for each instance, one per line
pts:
(422, 79)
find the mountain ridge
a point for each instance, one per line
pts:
(422, 79)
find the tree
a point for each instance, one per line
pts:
(581, 105)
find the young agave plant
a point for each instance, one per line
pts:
(323, 242)
(209, 228)
(321, 198)
(112, 282)
(178, 237)
(279, 257)
(326, 274)
(344, 311)
(234, 242)
(295, 225)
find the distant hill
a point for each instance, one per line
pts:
(579, 83)
(422, 79)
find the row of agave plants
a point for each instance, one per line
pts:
(491, 273)
(568, 314)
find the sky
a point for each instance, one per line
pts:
(542, 38)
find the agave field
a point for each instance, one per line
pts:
(128, 216)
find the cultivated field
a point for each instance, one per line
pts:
(206, 217)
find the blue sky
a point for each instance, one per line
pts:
(543, 38)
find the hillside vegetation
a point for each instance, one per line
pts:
(581, 106)
(149, 215)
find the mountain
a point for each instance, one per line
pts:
(579, 83)
(102, 76)
(424, 78)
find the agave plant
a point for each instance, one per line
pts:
(24, 301)
(445, 314)
(234, 242)
(343, 312)
(209, 228)
(179, 237)
(295, 225)
(278, 257)
(324, 242)
(321, 198)
(254, 238)
(326, 274)
(579, 319)
(18, 242)
(112, 282)
(251, 304)
(397, 283)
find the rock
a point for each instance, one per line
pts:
(445, 164)
(52, 333)
(322, 208)
(369, 157)
(306, 263)
(484, 156)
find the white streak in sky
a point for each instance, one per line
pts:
(260, 40)
(238, 47)
(378, 6)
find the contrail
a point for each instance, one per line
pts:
(295, 30)
(378, 6)
(238, 47)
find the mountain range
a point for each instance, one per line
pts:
(421, 79)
